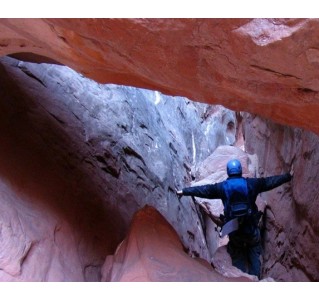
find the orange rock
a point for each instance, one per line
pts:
(152, 251)
(264, 66)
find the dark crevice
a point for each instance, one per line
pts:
(106, 167)
(131, 152)
(191, 234)
(275, 72)
(109, 170)
(56, 118)
(30, 74)
(306, 90)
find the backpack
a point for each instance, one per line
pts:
(237, 203)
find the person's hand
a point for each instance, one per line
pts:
(179, 192)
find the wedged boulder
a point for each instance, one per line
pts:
(152, 251)
(213, 168)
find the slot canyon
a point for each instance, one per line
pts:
(102, 120)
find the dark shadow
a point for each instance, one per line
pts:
(34, 58)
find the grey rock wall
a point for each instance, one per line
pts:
(78, 159)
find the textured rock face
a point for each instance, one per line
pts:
(291, 252)
(67, 174)
(78, 159)
(160, 255)
(264, 66)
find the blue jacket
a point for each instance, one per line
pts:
(255, 186)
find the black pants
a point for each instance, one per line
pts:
(245, 251)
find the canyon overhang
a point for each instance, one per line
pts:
(267, 67)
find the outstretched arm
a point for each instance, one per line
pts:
(209, 191)
(269, 183)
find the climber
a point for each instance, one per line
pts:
(238, 195)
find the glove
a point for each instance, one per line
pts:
(179, 193)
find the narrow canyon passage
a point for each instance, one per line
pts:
(78, 159)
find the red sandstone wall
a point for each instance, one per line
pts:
(263, 66)
(292, 227)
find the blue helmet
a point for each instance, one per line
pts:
(234, 167)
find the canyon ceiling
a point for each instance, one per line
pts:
(264, 66)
